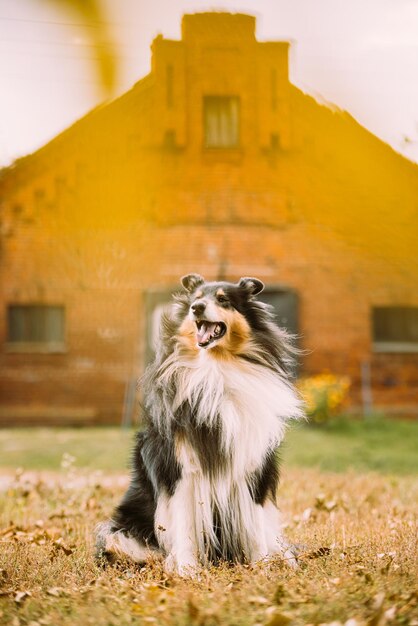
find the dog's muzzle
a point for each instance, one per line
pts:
(209, 332)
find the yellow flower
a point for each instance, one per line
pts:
(324, 395)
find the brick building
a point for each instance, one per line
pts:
(213, 163)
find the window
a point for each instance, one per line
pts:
(285, 307)
(37, 326)
(221, 121)
(395, 329)
(274, 141)
(286, 310)
(156, 302)
(170, 139)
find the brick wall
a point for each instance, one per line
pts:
(129, 199)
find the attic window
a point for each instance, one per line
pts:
(274, 141)
(221, 121)
(285, 305)
(395, 329)
(170, 139)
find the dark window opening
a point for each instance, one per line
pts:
(170, 139)
(35, 323)
(286, 311)
(395, 327)
(275, 141)
(285, 307)
(156, 302)
(221, 121)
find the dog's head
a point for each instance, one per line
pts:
(217, 316)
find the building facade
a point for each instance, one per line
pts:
(213, 163)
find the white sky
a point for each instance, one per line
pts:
(362, 55)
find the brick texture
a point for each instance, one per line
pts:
(128, 199)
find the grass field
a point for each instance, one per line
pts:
(376, 444)
(358, 525)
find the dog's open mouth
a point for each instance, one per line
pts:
(209, 332)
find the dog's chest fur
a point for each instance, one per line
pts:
(236, 413)
(229, 417)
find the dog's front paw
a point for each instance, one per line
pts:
(288, 552)
(184, 566)
(290, 555)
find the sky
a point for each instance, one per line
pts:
(361, 55)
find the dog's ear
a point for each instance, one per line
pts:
(191, 281)
(252, 285)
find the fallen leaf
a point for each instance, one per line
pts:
(386, 567)
(390, 614)
(8, 530)
(4, 576)
(279, 594)
(90, 504)
(55, 591)
(60, 545)
(306, 515)
(21, 596)
(53, 533)
(62, 514)
(258, 600)
(138, 609)
(377, 607)
(193, 610)
(276, 618)
(323, 551)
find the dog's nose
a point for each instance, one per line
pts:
(198, 307)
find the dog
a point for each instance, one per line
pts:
(218, 398)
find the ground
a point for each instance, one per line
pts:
(358, 526)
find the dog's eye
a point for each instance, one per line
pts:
(222, 299)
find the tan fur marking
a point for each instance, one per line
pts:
(199, 294)
(237, 335)
(187, 338)
(220, 292)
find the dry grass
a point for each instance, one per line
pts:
(359, 564)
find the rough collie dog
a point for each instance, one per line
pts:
(205, 468)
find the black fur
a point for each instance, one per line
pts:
(135, 514)
(263, 483)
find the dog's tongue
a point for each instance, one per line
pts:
(205, 332)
